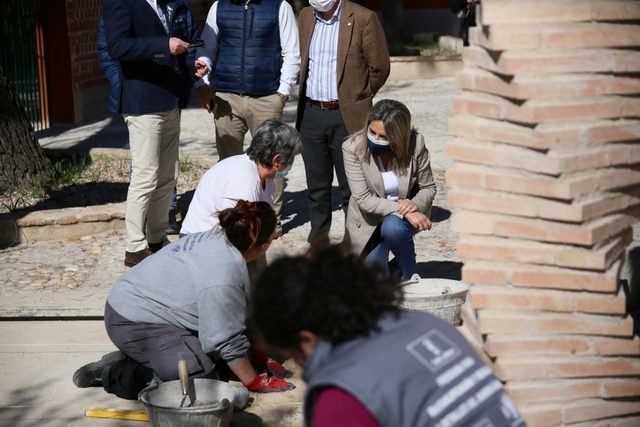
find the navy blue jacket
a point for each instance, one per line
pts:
(110, 68)
(152, 80)
(249, 49)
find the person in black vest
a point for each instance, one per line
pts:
(150, 39)
(253, 53)
(366, 361)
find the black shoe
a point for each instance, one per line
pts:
(155, 247)
(90, 375)
(318, 243)
(174, 225)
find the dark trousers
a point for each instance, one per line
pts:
(323, 132)
(150, 348)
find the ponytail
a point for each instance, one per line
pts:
(248, 224)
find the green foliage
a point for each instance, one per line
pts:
(66, 171)
(186, 165)
(79, 170)
(421, 44)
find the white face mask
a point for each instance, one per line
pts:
(322, 5)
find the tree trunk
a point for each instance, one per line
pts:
(22, 160)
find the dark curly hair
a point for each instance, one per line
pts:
(333, 295)
(248, 224)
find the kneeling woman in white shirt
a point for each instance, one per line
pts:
(392, 188)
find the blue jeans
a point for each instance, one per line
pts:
(396, 235)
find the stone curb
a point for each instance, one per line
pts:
(423, 67)
(59, 224)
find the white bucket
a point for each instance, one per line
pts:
(442, 298)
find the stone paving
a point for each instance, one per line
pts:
(38, 274)
(71, 278)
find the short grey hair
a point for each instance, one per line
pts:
(274, 137)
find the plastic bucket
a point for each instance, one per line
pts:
(214, 403)
(442, 298)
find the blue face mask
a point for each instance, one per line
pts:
(377, 147)
(283, 174)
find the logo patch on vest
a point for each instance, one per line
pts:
(434, 350)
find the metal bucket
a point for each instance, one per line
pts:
(442, 298)
(214, 403)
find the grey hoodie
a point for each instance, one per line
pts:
(200, 283)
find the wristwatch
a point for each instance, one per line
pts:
(285, 98)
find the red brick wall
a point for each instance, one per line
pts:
(82, 21)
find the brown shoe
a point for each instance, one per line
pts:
(155, 247)
(133, 258)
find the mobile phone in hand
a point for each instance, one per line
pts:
(196, 43)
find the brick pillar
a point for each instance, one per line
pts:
(545, 187)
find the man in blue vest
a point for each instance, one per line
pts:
(149, 39)
(252, 50)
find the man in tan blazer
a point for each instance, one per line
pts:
(344, 62)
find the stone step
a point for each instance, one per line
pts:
(60, 224)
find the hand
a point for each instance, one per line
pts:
(418, 220)
(202, 69)
(406, 206)
(283, 99)
(177, 46)
(205, 95)
(265, 384)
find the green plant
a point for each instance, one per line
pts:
(66, 171)
(186, 165)
(122, 167)
(12, 198)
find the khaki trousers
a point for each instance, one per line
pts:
(235, 115)
(153, 141)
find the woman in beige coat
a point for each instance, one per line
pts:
(392, 188)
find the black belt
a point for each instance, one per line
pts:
(324, 105)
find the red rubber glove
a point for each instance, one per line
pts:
(265, 384)
(276, 369)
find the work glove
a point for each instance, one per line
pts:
(276, 369)
(266, 384)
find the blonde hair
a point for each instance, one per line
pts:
(396, 118)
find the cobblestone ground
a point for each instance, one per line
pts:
(90, 261)
(96, 261)
(72, 278)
